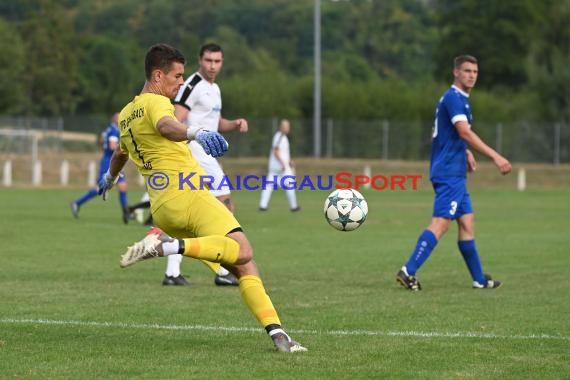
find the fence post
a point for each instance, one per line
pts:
(521, 179)
(499, 138)
(557, 144)
(64, 173)
(7, 177)
(91, 174)
(368, 174)
(37, 173)
(385, 138)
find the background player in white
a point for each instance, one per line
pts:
(280, 165)
(450, 162)
(199, 103)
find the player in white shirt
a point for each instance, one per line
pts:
(280, 165)
(199, 104)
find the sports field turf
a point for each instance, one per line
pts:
(68, 311)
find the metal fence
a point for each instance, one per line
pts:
(385, 139)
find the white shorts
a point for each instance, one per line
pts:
(212, 168)
(278, 174)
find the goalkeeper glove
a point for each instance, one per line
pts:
(213, 143)
(105, 184)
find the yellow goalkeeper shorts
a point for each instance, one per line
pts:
(194, 213)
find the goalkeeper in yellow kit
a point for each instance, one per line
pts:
(191, 220)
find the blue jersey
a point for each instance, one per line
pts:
(111, 134)
(448, 150)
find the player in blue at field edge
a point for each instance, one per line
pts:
(450, 162)
(109, 141)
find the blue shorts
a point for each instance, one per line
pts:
(451, 198)
(104, 164)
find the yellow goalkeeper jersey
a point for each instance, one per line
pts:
(167, 166)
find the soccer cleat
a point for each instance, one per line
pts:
(283, 343)
(263, 209)
(74, 209)
(171, 280)
(298, 208)
(228, 279)
(145, 249)
(407, 281)
(490, 283)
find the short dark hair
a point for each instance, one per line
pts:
(161, 56)
(211, 47)
(460, 60)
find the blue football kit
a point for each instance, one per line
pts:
(110, 134)
(448, 174)
(448, 165)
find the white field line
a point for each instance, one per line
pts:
(153, 326)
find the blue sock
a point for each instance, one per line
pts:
(87, 196)
(123, 199)
(471, 257)
(426, 243)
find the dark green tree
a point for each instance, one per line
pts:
(51, 78)
(496, 32)
(12, 70)
(394, 37)
(549, 68)
(111, 73)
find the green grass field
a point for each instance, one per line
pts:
(68, 311)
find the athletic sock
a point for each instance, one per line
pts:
(222, 271)
(92, 193)
(274, 329)
(214, 267)
(257, 301)
(425, 245)
(214, 248)
(471, 257)
(292, 199)
(123, 199)
(173, 265)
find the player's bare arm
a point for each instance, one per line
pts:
(212, 142)
(181, 112)
(172, 129)
(471, 162)
(118, 161)
(113, 144)
(226, 125)
(476, 143)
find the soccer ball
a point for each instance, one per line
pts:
(345, 209)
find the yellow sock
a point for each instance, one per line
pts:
(214, 267)
(215, 248)
(257, 300)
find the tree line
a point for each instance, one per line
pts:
(381, 59)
